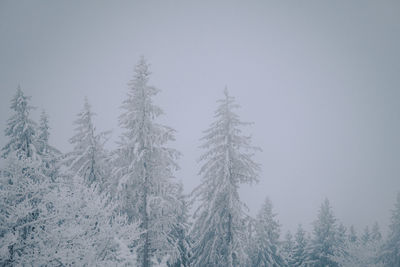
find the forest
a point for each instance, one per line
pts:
(94, 206)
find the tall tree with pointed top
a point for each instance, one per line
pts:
(323, 245)
(22, 188)
(218, 230)
(145, 171)
(88, 156)
(266, 246)
(20, 128)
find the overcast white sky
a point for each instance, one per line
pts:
(320, 80)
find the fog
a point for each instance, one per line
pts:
(320, 81)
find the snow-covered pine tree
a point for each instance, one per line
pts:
(376, 235)
(21, 129)
(88, 158)
(288, 247)
(391, 249)
(323, 244)
(218, 230)
(49, 154)
(145, 171)
(266, 245)
(300, 248)
(22, 187)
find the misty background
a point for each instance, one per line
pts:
(320, 81)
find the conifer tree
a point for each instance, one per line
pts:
(21, 130)
(219, 227)
(88, 158)
(288, 248)
(323, 245)
(22, 188)
(265, 251)
(300, 248)
(49, 154)
(145, 171)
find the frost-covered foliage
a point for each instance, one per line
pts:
(87, 231)
(44, 133)
(391, 250)
(364, 251)
(20, 129)
(88, 158)
(145, 171)
(180, 257)
(53, 221)
(288, 247)
(23, 213)
(23, 184)
(265, 249)
(299, 256)
(323, 245)
(91, 207)
(362, 255)
(218, 230)
(50, 155)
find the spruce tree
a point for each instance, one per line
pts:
(323, 245)
(49, 154)
(21, 130)
(23, 186)
(300, 248)
(218, 230)
(265, 249)
(144, 170)
(88, 158)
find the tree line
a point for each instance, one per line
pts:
(124, 207)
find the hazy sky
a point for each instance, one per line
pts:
(319, 79)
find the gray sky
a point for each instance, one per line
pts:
(320, 80)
